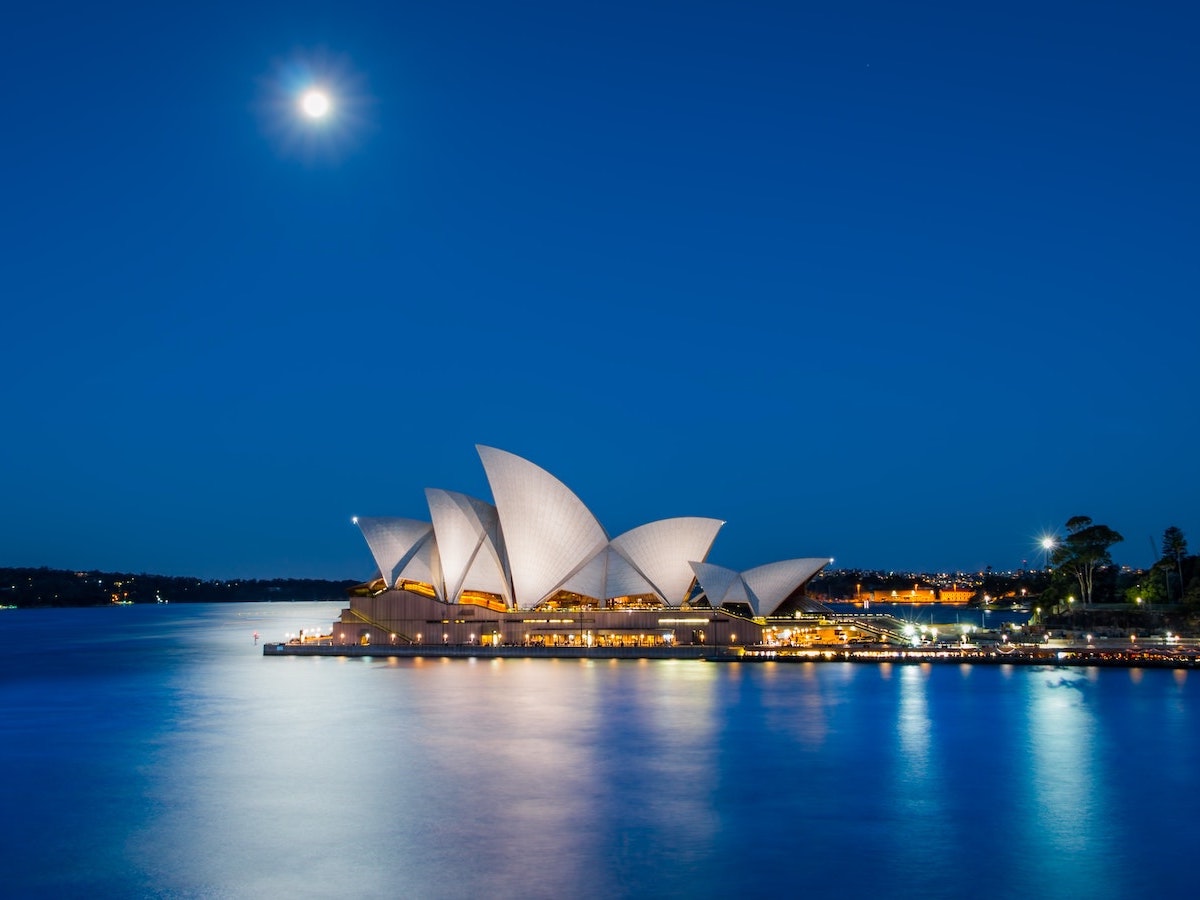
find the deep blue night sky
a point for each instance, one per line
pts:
(902, 284)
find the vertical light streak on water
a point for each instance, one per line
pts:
(511, 746)
(912, 726)
(659, 753)
(920, 787)
(803, 714)
(1067, 784)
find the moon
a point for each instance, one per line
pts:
(315, 104)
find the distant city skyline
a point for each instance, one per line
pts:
(907, 287)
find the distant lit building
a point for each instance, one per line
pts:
(917, 594)
(956, 594)
(536, 567)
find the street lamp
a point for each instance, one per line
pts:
(1047, 549)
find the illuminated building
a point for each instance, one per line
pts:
(917, 595)
(537, 568)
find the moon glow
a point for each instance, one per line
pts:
(315, 104)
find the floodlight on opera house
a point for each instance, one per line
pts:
(539, 542)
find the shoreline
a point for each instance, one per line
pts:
(1059, 658)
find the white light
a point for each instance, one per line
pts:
(315, 104)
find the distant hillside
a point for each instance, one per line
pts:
(60, 587)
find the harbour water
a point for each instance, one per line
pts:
(152, 751)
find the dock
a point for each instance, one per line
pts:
(1151, 658)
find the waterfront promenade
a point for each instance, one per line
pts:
(468, 651)
(1157, 657)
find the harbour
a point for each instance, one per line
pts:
(1157, 657)
(152, 750)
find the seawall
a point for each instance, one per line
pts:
(1106, 658)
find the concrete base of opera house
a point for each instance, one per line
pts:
(459, 651)
(404, 619)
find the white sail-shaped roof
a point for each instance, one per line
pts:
(467, 532)
(592, 579)
(721, 585)
(624, 580)
(773, 583)
(422, 563)
(393, 542)
(540, 538)
(661, 552)
(548, 533)
(487, 574)
(607, 575)
(764, 587)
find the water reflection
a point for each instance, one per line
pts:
(1067, 785)
(921, 789)
(207, 770)
(913, 726)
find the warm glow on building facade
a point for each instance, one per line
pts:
(537, 568)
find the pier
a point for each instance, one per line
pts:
(1137, 657)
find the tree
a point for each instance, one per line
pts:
(1149, 589)
(1083, 552)
(1174, 546)
(1192, 596)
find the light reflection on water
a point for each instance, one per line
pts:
(155, 752)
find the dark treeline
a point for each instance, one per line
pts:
(60, 587)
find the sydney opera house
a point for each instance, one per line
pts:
(536, 568)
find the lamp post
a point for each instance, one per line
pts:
(1047, 549)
